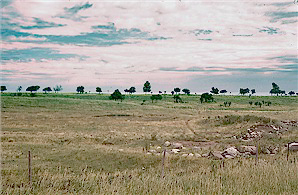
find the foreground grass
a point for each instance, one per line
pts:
(87, 144)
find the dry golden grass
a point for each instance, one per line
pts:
(87, 144)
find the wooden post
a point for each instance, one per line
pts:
(257, 152)
(29, 167)
(163, 164)
(288, 153)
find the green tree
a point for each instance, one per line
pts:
(98, 90)
(58, 88)
(156, 97)
(177, 90)
(147, 87)
(223, 91)
(116, 95)
(3, 88)
(206, 97)
(19, 89)
(80, 89)
(244, 91)
(47, 89)
(275, 89)
(177, 98)
(253, 91)
(291, 93)
(214, 90)
(186, 91)
(132, 90)
(33, 88)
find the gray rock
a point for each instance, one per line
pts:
(231, 151)
(229, 156)
(152, 151)
(250, 149)
(174, 151)
(197, 155)
(190, 154)
(204, 155)
(167, 144)
(293, 146)
(216, 155)
(184, 155)
(177, 145)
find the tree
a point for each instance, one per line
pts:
(177, 90)
(253, 91)
(126, 90)
(207, 97)
(172, 92)
(186, 91)
(116, 95)
(47, 89)
(98, 90)
(244, 91)
(156, 97)
(223, 91)
(132, 90)
(275, 90)
(177, 98)
(80, 89)
(3, 88)
(33, 88)
(291, 93)
(58, 88)
(214, 90)
(147, 87)
(19, 89)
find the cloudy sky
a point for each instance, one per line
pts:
(118, 44)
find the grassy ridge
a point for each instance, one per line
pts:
(87, 144)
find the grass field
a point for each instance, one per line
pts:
(88, 144)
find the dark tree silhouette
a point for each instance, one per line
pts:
(206, 97)
(172, 92)
(98, 90)
(223, 91)
(214, 90)
(147, 87)
(186, 91)
(58, 88)
(132, 90)
(47, 89)
(80, 89)
(126, 90)
(244, 91)
(253, 91)
(33, 88)
(116, 95)
(177, 90)
(3, 88)
(177, 99)
(156, 97)
(19, 89)
(275, 90)
(291, 93)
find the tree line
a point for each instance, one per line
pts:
(147, 89)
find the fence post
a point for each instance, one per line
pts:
(163, 164)
(288, 153)
(257, 152)
(29, 167)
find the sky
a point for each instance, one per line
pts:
(228, 44)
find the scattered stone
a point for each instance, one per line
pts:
(197, 155)
(158, 147)
(274, 151)
(204, 155)
(190, 154)
(231, 152)
(229, 156)
(184, 155)
(250, 149)
(167, 144)
(293, 146)
(174, 151)
(177, 145)
(121, 150)
(216, 155)
(265, 151)
(152, 151)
